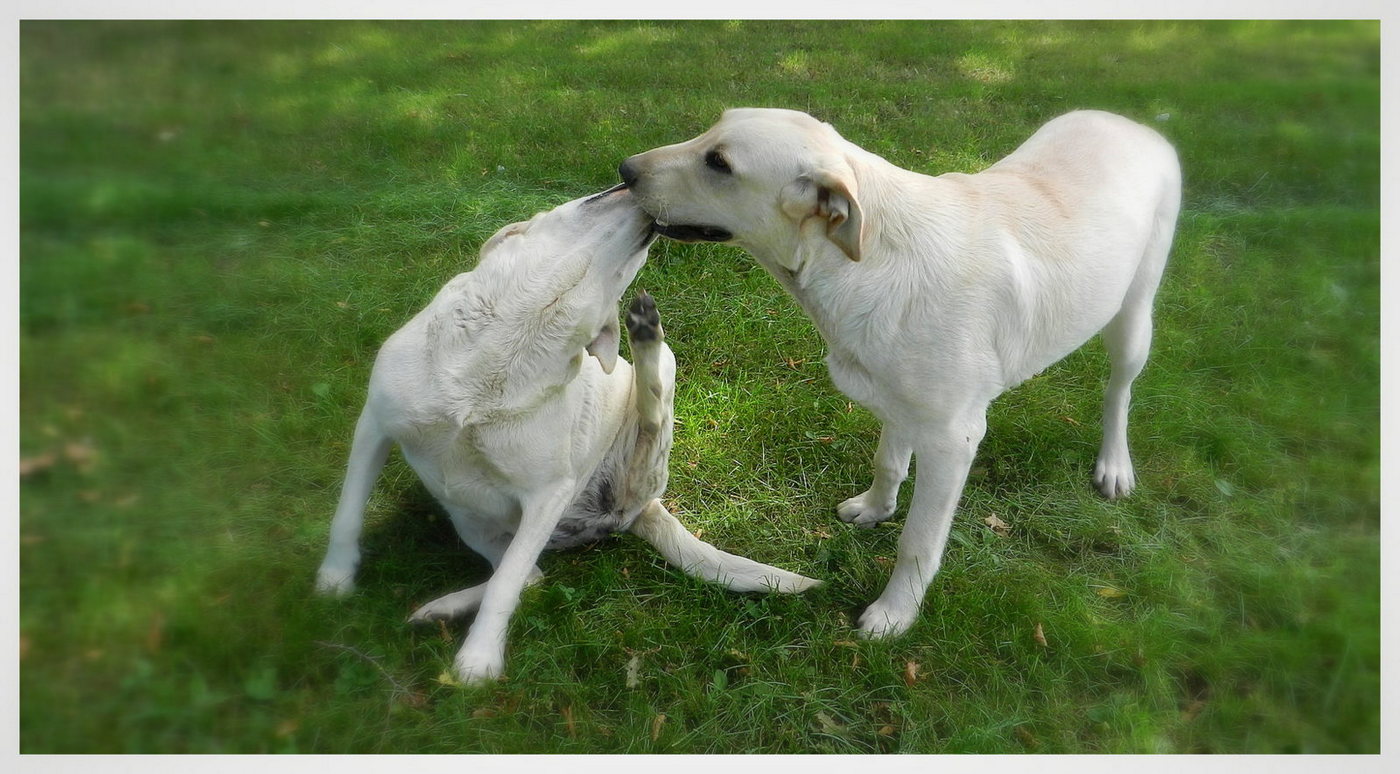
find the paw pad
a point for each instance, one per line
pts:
(643, 321)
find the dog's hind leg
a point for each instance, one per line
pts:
(368, 452)
(653, 393)
(460, 603)
(695, 557)
(654, 368)
(1127, 338)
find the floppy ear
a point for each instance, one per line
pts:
(604, 345)
(500, 236)
(828, 193)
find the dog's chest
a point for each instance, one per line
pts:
(460, 476)
(853, 378)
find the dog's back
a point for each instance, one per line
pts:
(1085, 210)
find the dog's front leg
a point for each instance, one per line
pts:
(368, 452)
(482, 656)
(876, 504)
(945, 454)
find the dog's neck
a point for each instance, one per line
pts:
(896, 239)
(502, 359)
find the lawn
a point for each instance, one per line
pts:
(220, 222)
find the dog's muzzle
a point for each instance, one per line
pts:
(627, 170)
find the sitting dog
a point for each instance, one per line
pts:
(937, 294)
(507, 396)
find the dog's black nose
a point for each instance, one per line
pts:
(628, 172)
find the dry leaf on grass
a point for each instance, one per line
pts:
(155, 633)
(911, 673)
(1192, 710)
(288, 727)
(998, 526)
(1039, 635)
(80, 453)
(1108, 592)
(828, 725)
(31, 465)
(1027, 738)
(656, 724)
(446, 678)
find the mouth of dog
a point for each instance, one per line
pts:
(680, 233)
(686, 233)
(649, 235)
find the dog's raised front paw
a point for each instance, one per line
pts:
(881, 620)
(643, 321)
(865, 510)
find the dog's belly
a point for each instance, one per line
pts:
(469, 485)
(594, 515)
(632, 474)
(596, 512)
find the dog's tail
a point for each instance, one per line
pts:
(700, 559)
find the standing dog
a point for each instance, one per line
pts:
(937, 294)
(528, 442)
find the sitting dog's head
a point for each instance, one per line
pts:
(773, 179)
(547, 288)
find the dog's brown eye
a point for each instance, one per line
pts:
(715, 161)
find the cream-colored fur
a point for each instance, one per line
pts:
(936, 294)
(525, 439)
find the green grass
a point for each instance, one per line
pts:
(220, 222)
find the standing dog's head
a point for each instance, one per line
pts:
(776, 178)
(547, 288)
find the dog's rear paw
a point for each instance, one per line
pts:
(865, 510)
(796, 584)
(454, 605)
(643, 321)
(774, 581)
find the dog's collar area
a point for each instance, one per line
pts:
(693, 233)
